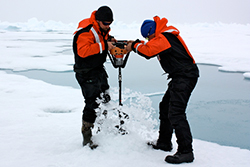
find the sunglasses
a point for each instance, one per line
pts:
(106, 23)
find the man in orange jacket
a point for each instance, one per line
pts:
(166, 44)
(90, 45)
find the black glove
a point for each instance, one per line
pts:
(133, 44)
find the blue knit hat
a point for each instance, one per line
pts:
(148, 28)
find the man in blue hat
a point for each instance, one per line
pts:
(166, 44)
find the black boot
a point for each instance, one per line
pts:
(161, 146)
(87, 134)
(179, 157)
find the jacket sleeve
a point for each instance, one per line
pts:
(86, 45)
(151, 48)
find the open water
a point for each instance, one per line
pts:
(219, 108)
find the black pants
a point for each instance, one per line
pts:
(172, 113)
(92, 85)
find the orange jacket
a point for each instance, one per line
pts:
(89, 45)
(86, 43)
(170, 49)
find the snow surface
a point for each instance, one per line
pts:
(225, 45)
(40, 123)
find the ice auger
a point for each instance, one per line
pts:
(119, 61)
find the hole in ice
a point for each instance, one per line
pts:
(37, 56)
(55, 110)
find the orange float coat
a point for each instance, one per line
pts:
(89, 45)
(171, 50)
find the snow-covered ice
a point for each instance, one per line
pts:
(40, 126)
(226, 45)
(40, 123)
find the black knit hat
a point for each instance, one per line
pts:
(104, 13)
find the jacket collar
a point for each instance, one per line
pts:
(86, 22)
(161, 26)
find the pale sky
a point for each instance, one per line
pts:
(128, 11)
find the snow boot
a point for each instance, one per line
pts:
(87, 134)
(161, 146)
(179, 157)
